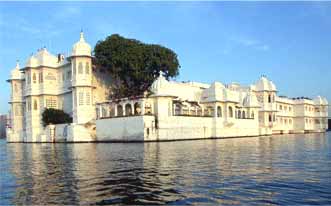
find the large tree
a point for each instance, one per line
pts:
(133, 65)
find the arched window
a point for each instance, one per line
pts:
(137, 108)
(87, 68)
(270, 118)
(210, 111)
(80, 68)
(178, 109)
(35, 105)
(88, 98)
(219, 111)
(74, 68)
(244, 115)
(111, 111)
(34, 78)
(230, 112)
(269, 98)
(239, 114)
(128, 110)
(119, 110)
(148, 108)
(104, 112)
(81, 98)
(252, 115)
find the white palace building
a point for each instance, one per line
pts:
(174, 110)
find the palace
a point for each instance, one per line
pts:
(174, 110)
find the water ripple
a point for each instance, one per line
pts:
(279, 170)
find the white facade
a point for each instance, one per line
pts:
(175, 110)
(192, 110)
(49, 81)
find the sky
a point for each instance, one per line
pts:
(289, 42)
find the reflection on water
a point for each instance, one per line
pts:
(293, 169)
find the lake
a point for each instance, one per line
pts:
(285, 169)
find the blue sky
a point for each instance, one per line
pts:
(215, 41)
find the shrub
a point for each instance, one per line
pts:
(55, 116)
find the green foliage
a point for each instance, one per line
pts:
(55, 116)
(133, 65)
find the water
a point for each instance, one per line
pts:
(289, 169)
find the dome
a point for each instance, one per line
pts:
(16, 73)
(265, 85)
(160, 85)
(250, 101)
(32, 62)
(81, 48)
(45, 58)
(320, 100)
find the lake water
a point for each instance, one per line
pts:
(287, 170)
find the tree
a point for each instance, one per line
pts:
(133, 65)
(55, 116)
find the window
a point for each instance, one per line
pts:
(35, 105)
(128, 110)
(230, 112)
(80, 68)
(289, 108)
(81, 100)
(239, 114)
(68, 75)
(34, 78)
(41, 77)
(88, 98)
(280, 107)
(252, 115)
(137, 109)
(274, 118)
(219, 111)
(51, 103)
(269, 98)
(290, 121)
(87, 68)
(270, 118)
(244, 115)
(119, 110)
(74, 68)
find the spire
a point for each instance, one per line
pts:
(82, 36)
(17, 64)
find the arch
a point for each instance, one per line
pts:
(87, 68)
(34, 78)
(119, 110)
(128, 109)
(148, 108)
(239, 114)
(230, 112)
(178, 109)
(111, 111)
(219, 111)
(252, 115)
(80, 68)
(244, 114)
(35, 105)
(270, 118)
(137, 108)
(104, 112)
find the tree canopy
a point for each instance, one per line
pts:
(133, 65)
(55, 116)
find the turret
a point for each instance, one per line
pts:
(81, 62)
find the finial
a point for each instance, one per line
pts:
(17, 64)
(81, 35)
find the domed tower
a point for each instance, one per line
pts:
(266, 95)
(16, 105)
(81, 63)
